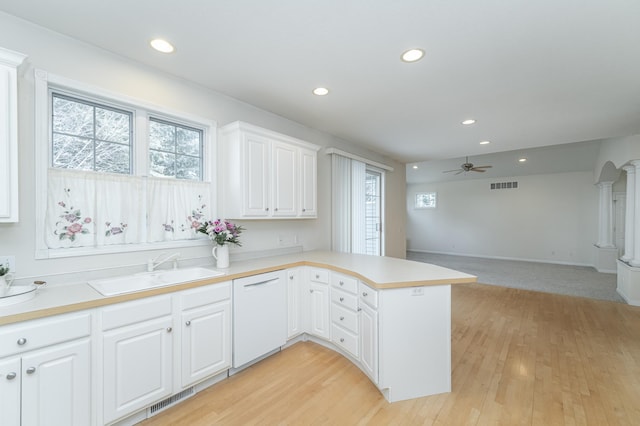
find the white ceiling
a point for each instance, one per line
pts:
(533, 73)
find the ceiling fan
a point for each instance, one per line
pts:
(468, 167)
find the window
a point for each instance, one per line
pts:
(116, 174)
(425, 200)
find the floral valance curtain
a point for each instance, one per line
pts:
(87, 209)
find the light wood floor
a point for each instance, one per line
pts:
(518, 358)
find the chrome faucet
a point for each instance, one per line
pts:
(162, 258)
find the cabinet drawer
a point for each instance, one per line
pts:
(344, 299)
(43, 332)
(344, 282)
(137, 311)
(345, 339)
(345, 318)
(205, 295)
(319, 275)
(368, 295)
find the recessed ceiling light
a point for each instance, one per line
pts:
(162, 45)
(321, 91)
(415, 166)
(522, 160)
(485, 142)
(469, 121)
(412, 55)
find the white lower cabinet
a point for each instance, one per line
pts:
(138, 365)
(45, 375)
(206, 332)
(369, 341)
(318, 304)
(295, 289)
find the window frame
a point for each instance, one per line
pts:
(45, 84)
(418, 194)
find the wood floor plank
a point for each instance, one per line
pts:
(518, 358)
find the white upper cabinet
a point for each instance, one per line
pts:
(266, 175)
(9, 62)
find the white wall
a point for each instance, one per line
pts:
(69, 58)
(552, 218)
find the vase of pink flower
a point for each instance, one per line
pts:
(222, 233)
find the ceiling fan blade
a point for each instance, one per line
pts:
(459, 171)
(483, 167)
(475, 169)
(449, 171)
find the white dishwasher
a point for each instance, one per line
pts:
(259, 316)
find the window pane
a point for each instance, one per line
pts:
(188, 141)
(113, 126)
(162, 164)
(112, 158)
(162, 136)
(73, 118)
(188, 167)
(70, 152)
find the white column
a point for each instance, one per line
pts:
(605, 234)
(629, 214)
(635, 261)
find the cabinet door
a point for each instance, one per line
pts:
(206, 342)
(319, 310)
(137, 366)
(56, 385)
(369, 341)
(294, 308)
(308, 183)
(285, 180)
(10, 392)
(256, 176)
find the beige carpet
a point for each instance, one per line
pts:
(580, 281)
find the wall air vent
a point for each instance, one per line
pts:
(504, 185)
(166, 403)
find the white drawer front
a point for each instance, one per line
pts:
(344, 282)
(345, 318)
(344, 339)
(368, 295)
(205, 295)
(35, 334)
(344, 299)
(319, 275)
(136, 311)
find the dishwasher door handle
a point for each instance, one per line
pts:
(261, 283)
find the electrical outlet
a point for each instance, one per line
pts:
(9, 261)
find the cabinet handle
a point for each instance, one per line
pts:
(342, 340)
(311, 291)
(31, 370)
(22, 341)
(342, 299)
(364, 294)
(169, 329)
(275, 210)
(11, 376)
(341, 318)
(341, 282)
(188, 323)
(290, 277)
(266, 209)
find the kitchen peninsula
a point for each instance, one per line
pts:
(390, 317)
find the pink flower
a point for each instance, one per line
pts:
(195, 224)
(87, 220)
(70, 217)
(74, 228)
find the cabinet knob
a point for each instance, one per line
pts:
(275, 210)
(290, 277)
(266, 209)
(359, 309)
(341, 282)
(311, 291)
(341, 318)
(365, 294)
(169, 329)
(11, 376)
(317, 276)
(188, 323)
(342, 340)
(22, 341)
(31, 370)
(342, 299)
(304, 210)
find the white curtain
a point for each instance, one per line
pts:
(87, 209)
(348, 205)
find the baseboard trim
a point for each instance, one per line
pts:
(517, 259)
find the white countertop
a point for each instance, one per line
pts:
(378, 272)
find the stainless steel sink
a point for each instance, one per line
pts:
(148, 280)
